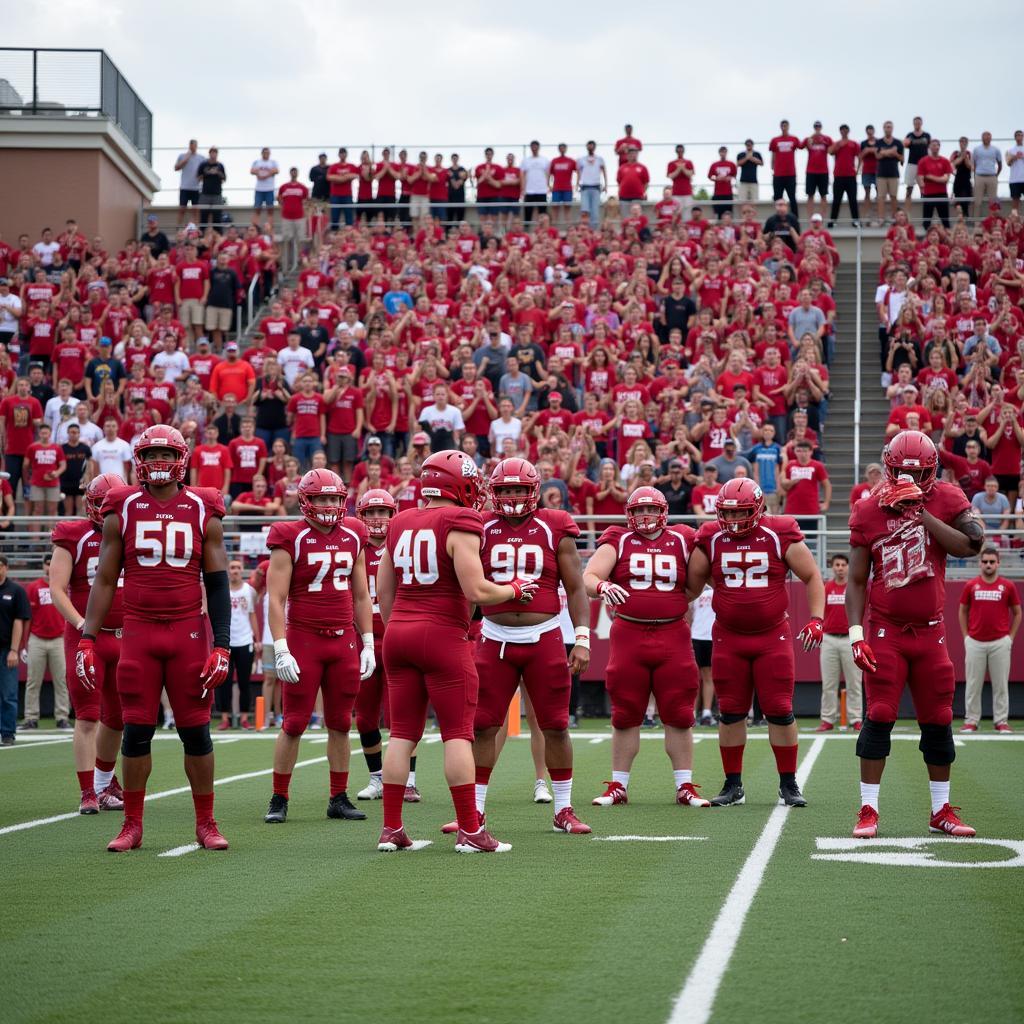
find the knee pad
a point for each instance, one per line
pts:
(883, 711)
(732, 717)
(627, 717)
(196, 740)
(780, 719)
(137, 740)
(370, 739)
(874, 741)
(937, 744)
(294, 725)
(338, 721)
(679, 714)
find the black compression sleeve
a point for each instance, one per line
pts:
(218, 606)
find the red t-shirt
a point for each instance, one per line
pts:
(681, 184)
(211, 462)
(342, 188)
(191, 279)
(341, 414)
(784, 147)
(245, 458)
(43, 459)
(721, 173)
(292, 196)
(633, 180)
(18, 414)
(47, 623)
(846, 155)
(817, 153)
(835, 608)
(802, 497)
(989, 605)
(562, 168)
(306, 410)
(70, 359)
(937, 165)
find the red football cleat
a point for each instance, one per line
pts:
(89, 803)
(566, 821)
(224, 725)
(857, 725)
(452, 827)
(614, 794)
(687, 794)
(825, 727)
(969, 727)
(392, 840)
(209, 837)
(480, 841)
(110, 801)
(114, 788)
(245, 724)
(867, 823)
(412, 795)
(129, 838)
(1003, 727)
(946, 821)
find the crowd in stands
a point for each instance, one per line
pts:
(614, 349)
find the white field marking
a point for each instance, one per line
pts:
(31, 744)
(959, 743)
(917, 855)
(598, 739)
(22, 825)
(177, 851)
(230, 739)
(430, 740)
(697, 997)
(647, 839)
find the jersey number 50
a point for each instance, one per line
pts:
(159, 541)
(415, 557)
(745, 569)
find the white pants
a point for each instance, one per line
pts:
(993, 655)
(837, 656)
(746, 192)
(43, 654)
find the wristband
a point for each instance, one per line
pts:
(80, 625)
(367, 639)
(583, 637)
(281, 647)
(856, 634)
(88, 636)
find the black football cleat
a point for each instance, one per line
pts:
(277, 812)
(341, 807)
(790, 795)
(732, 795)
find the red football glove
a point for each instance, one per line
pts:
(85, 663)
(523, 590)
(812, 634)
(215, 671)
(902, 495)
(863, 656)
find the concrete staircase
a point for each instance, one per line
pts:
(839, 434)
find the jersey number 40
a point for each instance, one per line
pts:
(415, 557)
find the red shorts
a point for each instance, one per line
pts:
(327, 664)
(745, 663)
(645, 659)
(100, 704)
(914, 656)
(372, 697)
(430, 663)
(164, 655)
(544, 670)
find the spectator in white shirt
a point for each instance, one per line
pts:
(294, 359)
(1015, 161)
(535, 182)
(505, 426)
(442, 420)
(89, 432)
(10, 312)
(173, 360)
(111, 454)
(264, 171)
(46, 249)
(61, 408)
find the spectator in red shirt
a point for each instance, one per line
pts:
(44, 462)
(255, 500)
(633, 179)
(818, 147)
(233, 376)
(45, 652)
(626, 143)
(191, 289)
(293, 196)
(800, 480)
(561, 173)
(680, 172)
(248, 457)
(21, 413)
(345, 418)
(722, 174)
(341, 174)
(933, 174)
(307, 416)
(705, 495)
(898, 417)
(211, 463)
(872, 478)
(844, 182)
(783, 149)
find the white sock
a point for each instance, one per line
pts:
(411, 780)
(682, 776)
(563, 794)
(100, 780)
(869, 794)
(622, 778)
(379, 776)
(481, 797)
(940, 795)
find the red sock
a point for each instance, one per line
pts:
(732, 760)
(464, 798)
(483, 775)
(281, 782)
(560, 774)
(204, 806)
(394, 797)
(105, 766)
(339, 783)
(133, 801)
(785, 759)
(84, 781)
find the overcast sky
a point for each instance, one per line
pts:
(322, 74)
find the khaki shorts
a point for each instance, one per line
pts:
(37, 493)
(888, 188)
(190, 312)
(910, 177)
(293, 230)
(218, 319)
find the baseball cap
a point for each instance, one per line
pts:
(676, 464)
(373, 439)
(817, 124)
(729, 441)
(231, 346)
(910, 388)
(554, 394)
(817, 216)
(4, 280)
(420, 438)
(994, 206)
(204, 340)
(105, 341)
(345, 369)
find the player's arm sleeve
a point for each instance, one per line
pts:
(569, 526)
(215, 580)
(611, 536)
(467, 520)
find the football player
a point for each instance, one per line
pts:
(747, 555)
(639, 572)
(429, 571)
(169, 540)
(98, 723)
(318, 569)
(900, 535)
(517, 644)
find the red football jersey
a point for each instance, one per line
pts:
(373, 556)
(749, 573)
(908, 568)
(320, 595)
(653, 571)
(528, 551)
(81, 540)
(163, 548)
(428, 590)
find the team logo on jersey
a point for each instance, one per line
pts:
(195, 636)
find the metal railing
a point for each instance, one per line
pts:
(57, 82)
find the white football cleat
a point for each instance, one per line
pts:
(374, 789)
(541, 793)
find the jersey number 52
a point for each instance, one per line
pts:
(745, 569)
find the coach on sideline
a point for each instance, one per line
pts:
(990, 614)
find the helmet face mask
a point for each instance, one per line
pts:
(911, 454)
(515, 488)
(375, 509)
(160, 456)
(647, 511)
(322, 497)
(740, 506)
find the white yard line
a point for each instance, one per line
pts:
(697, 998)
(648, 839)
(177, 851)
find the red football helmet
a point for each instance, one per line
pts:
(322, 481)
(646, 522)
(161, 436)
(376, 497)
(744, 500)
(911, 453)
(96, 492)
(452, 474)
(514, 472)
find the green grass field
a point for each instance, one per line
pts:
(307, 921)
